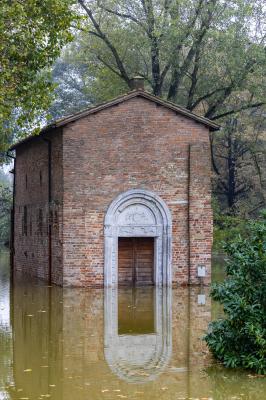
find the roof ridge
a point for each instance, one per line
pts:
(117, 100)
(134, 93)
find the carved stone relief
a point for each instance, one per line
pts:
(137, 214)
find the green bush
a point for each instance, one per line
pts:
(5, 207)
(226, 227)
(239, 340)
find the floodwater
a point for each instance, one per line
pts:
(78, 344)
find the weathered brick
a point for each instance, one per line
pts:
(135, 144)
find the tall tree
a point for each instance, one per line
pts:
(231, 151)
(73, 87)
(32, 34)
(238, 158)
(208, 55)
(194, 52)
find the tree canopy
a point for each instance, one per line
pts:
(32, 34)
(199, 53)
(207, 55)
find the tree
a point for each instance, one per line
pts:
(72, 92)
(232, 149)
(5, 212)
(208, 55)
(236, 155)
(239, 340)
(194, 52)
(32, 34)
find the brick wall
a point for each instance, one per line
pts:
(200, 211)
(31, 233)
(136, 144)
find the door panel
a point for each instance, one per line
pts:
(125, 261)
(135, 261)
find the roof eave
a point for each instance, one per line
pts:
(212, 125)
(66, 120)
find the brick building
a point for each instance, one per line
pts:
(116, 194)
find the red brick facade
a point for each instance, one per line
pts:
(134, 144)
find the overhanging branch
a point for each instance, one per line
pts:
(246, 107)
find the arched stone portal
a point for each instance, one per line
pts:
(138, 213)
(138, 358)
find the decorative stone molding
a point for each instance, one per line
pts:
(138, 213)
(129, 355)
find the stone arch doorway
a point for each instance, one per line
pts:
(138, 214)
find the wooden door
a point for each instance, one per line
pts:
(135, 261)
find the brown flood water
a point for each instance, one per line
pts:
(77, 344)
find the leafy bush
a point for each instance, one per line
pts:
(226, 227)
(5, 207)
(239, 340)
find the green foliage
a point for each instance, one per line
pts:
(226, 227)
(32, 34)
(73, 87)
(5, 210)
(201, 54)
(240, 339)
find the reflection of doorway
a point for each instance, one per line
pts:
(135, 261)
(136, 311)
(138, 331)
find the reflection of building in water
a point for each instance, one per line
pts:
(37, 339)
(5, 328)
(136, 348)
(68, 340)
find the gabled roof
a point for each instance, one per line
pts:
(135, 93)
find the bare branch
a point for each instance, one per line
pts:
(99, 33)
(194, 79)
(126, 16)
(228, 90)
(108, 65)
(179, 72)
(214, 165)
(164, 73)
(206, 96)
(234, 111)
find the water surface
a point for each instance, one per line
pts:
(145, 343)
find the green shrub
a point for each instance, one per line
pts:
(5, 207)
(239, 340)
(226, 227)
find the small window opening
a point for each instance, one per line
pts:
(40, 178)
(26, 181)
